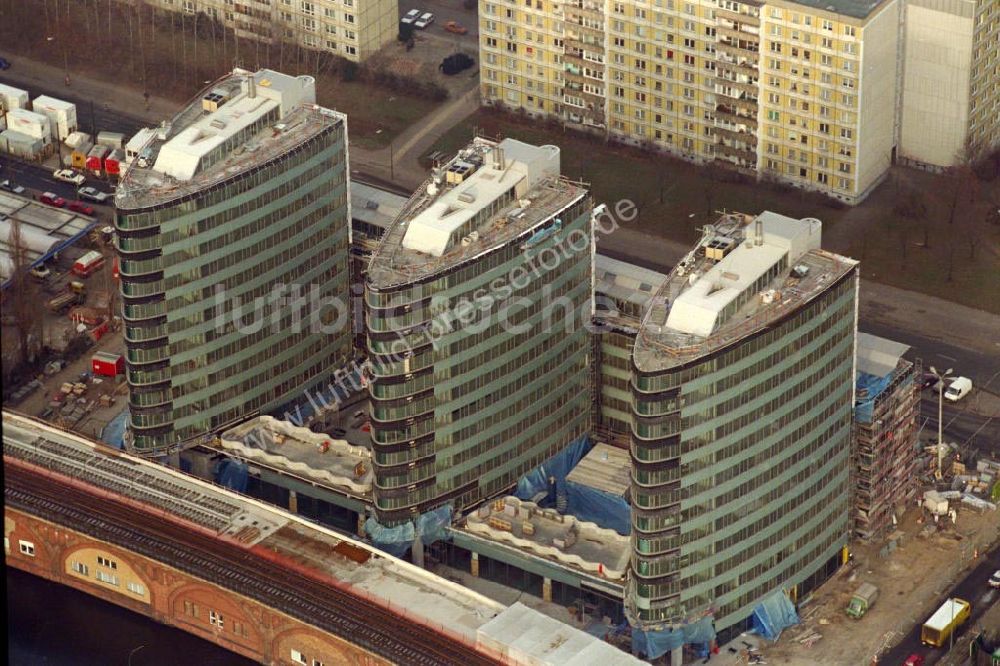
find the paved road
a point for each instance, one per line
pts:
(974, 589)
(37, 178)
(92, 115)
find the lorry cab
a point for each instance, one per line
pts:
(958, 389)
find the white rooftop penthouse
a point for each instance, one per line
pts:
(498, 174)
(773, 244)
(235, 113)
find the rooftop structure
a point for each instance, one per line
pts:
(858, 9)
(604, 468)
(562, 538)
(626, 289)
(45, 230)
(243, 120)
(522, 636)
(488, 195)
(297, 450)
(744, 274)
(375, 207)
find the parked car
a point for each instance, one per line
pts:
(93, 194)
(455, 63)
(425, 20)
(995, 579)
(11, 186)
(930, 381)
(959, 388)
(52, 199)
(455, 27)
(411, 16)
(80, 207)
(41, 271)
(69, 176)
(914, 660)
(4, 63)
(337, 432)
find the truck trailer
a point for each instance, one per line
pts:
(939, 628)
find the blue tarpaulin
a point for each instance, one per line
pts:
(537, 480)
(868, 388)
(773, 615)
(303, 408)
(599, 506)
(655, 644)
(114, 433)
(433, 526)
(231, 474)
(586, 503)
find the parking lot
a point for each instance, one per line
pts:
(433, 44)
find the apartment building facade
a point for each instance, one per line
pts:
(951, 81)
(798, 90)
(351, 29)
(743, 381)
(477, 308)
(233, 235)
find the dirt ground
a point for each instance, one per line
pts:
(905, 598)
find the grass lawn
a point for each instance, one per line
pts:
(675, 197)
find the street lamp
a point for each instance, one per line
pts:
(65, 57)
(941, 377)
(134, 650)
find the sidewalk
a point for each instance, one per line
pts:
(31, 74)
(406, 149)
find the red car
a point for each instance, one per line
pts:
(52, 199)
(80, 207)
(914, 660)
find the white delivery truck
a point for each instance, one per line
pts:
(958, 389)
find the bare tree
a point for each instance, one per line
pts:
(21, 300)
(912, 207)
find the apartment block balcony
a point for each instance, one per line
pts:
(749, 87)
(737, 33)
(737, 17)
(747, 137)
(743, 156)
(738, 45)
(730, 115)
(742, 67)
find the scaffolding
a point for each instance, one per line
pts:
(884, 452)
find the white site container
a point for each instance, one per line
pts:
(61, 114)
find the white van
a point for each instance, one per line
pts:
(958, 389)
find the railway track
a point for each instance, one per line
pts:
(340, 613)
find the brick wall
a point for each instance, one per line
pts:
(171, 597)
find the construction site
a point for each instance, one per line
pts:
(886, 411)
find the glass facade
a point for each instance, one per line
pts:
(228, 293)
(615, 397)
(740, 466)
(479, 372)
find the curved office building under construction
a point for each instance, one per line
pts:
(231, 218)
(476, 308)
(743, 375)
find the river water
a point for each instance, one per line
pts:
(53, 625)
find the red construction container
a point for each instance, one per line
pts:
(113, 163)
(107, 365)
(95, 159)
(88, 263)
